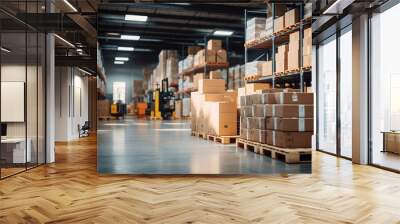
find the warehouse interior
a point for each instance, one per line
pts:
(199, 111)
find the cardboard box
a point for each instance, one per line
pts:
(243, 133)
(214, 45)
(211, 57)
(293, 60)
(211, 86)
(279, 23)
(222, 56)
(289, 124)
(251, 88)
(294, 41)
(289, 139)
(289, 110)
(268, 98)
(247, 111)
(223, 121)
(215, 75)
(196, 79)
(259, 110)
(222, 97)
(307, 60)
(266, 68)
(261, 123)
(262, 136)
(294, 98)
(281, 62)
(255, 99)
(241, 96)
(292, 17)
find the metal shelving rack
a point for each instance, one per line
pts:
(272, 42)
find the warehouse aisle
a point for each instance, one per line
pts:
(166, 147)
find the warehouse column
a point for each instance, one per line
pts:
(360, 89)
(50, 92)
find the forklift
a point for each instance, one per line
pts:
(163, 102)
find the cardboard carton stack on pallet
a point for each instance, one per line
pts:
(200, 57)
(307, 48)
(214, 110)
(258, 27)
(278, 117)
(293, 53)
(258, 68)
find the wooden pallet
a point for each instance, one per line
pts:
(251, 77)
(279, 73)
(199, 134)
(223, 139)
(292, 70)
(307, 68)
(296, 155)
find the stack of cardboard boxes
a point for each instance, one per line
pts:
(213, 109)
(307, 48)
(278, 117)
(292, 17)
(166, 67)
(281, 59)
(293, 53)
(258, 68)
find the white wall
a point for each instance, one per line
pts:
(71, 102)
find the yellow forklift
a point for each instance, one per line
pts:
(162, 102)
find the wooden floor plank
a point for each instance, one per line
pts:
(71, 191)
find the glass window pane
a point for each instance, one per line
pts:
(385, 84)
(327, 95)
(346, 92)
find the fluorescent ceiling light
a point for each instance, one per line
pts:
(121, 58)
(130, 37)
(5, 50)
(137, 18)
(126, 48)
(70, 5)
(119, 62)
(223, 33)
(64, 40)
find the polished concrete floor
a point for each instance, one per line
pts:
(166, 147)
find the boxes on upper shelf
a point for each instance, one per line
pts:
(214, 45)
(292, 17)
(281, 59)
(215, 75)
(280, 10)
(255, 27)
(266, 68)
(308, 10)
(279, 23)
(253, 68)
(221, 56)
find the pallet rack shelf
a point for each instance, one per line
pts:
(207, 67)
(270, 43)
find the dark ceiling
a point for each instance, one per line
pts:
(170, 26)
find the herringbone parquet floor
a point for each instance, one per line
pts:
(71, 191)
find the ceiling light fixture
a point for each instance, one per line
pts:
(121, 59)
(119, 62)
(130, 37)
(70, 5)
(126, 49)
(223, 33)
(5, 50)
(64, 40)
(136, 18)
